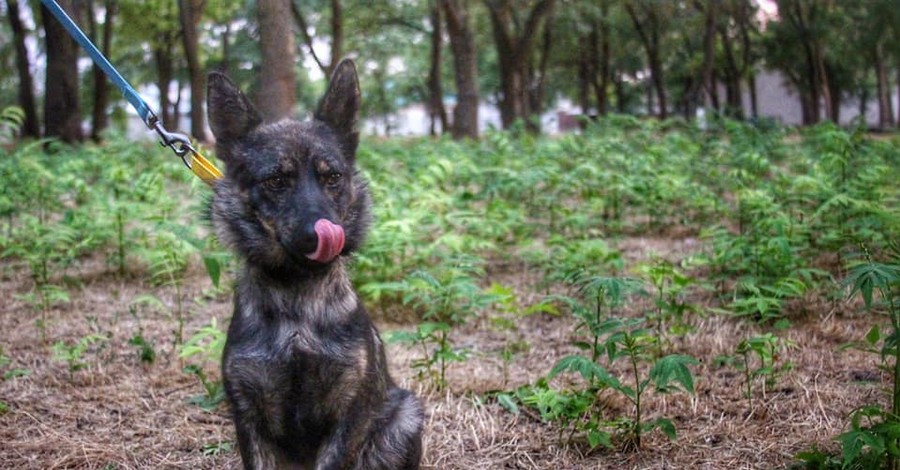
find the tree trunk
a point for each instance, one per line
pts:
(751, 87)
(709, 51)
(649, 35)
(62, 116)
(885, 107)
(601, 81)
(189, 17)
(514, 52)
(99, 117)
(277, 81)
(436, 111)
(465, 62)
(619, 88)
(163, 56)
(337, 35)
(537, 81)
(31, 127)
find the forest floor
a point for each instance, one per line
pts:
(118, 412)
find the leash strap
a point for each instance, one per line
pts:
(179, 143)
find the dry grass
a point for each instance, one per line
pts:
(119, 413)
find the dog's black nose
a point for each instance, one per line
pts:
(304, 239)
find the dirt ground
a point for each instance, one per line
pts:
(119, 413)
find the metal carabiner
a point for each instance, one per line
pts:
(179, 143)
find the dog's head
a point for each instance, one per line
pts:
(291, 200)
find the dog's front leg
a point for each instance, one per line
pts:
(339, 451)
(257, 453)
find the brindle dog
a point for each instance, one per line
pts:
(304, 368)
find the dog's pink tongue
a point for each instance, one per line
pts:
(331, 241)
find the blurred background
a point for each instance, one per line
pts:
(460, 66)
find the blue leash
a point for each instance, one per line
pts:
(179, 143)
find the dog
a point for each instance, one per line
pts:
(304, 368)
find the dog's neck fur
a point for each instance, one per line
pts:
(328, 294)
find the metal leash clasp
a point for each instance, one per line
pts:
(179, 143)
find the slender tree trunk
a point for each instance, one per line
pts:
(31, 127)
(436, 111)
(601, 82)
(62, 115)
(585, 83)
(277, 88)
(885, 107)
(462, 43)
(709, 45)
(754, 102)
(163, 56)
(537, 80)
(99, 117)
(189, 16)
(619, 88)
(337, 35)
(649, 35)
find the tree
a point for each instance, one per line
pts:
(465, 63)
(62, 115)
(99, 118)
(650, 20)
(190, 12)
(436, 111)
(337, 35)
(277, 80)
(516, 41)
(31, 126)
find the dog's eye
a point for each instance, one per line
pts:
(275, 184)
(333, 178)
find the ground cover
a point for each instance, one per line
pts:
(536, 293)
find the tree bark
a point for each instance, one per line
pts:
(465, 63)
(62, 115)
(277, 88)
(515, 50)
(436, 111)
(885, 107)
(648, 31)
(99, 117)
(600, 34)
(31, 127)
(189, 17)
(163, 58)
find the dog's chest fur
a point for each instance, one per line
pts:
(290, 349)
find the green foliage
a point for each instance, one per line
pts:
(760, 356)
(72, 352)
(874, 431)
(444, 300)
(206, 347)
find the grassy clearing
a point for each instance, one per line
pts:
(644, 295)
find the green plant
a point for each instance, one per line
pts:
(757, 357)
(445, 300)
(627, 340)
(875, 432)
(669, 284)
(72, 352)
(10, 373)
(206, 345)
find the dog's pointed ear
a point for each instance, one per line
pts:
(231, 115)
(339, 107)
